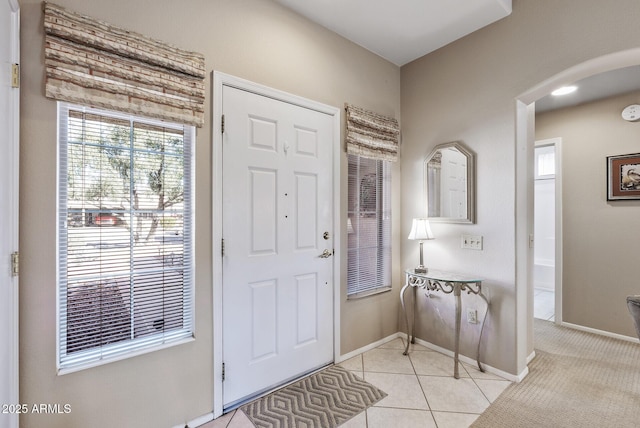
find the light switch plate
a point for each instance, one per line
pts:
(472, 242)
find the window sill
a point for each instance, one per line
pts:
(364, 294)
(96, 363)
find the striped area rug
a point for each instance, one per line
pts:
(576, 380)
(323, 400)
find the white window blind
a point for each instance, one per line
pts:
(125, 235)
(369, 226)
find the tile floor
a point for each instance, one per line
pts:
(421, 390)
(544, 304)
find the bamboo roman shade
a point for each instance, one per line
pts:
(372, 135)
(91, 62)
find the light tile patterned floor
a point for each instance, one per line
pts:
(544, 304)
(421, 390)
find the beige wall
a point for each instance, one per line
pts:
(600, 262)
(253, 39)
(467, 91)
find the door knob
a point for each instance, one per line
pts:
(325, 254)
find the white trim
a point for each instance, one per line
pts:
(220, 80)
(13, 218)
(131, 354)
(470, 361)
(369, 347)
(444, 351)
(523, 231)
(531, 357)
(600, 332)
(216, 211)
(200, 420)
(557, 143)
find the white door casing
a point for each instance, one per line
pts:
(558, 242)
(328, 210)
(277, 294)
(9, 146)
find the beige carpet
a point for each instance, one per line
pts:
(577, 379)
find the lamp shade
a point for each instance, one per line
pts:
(421, 230)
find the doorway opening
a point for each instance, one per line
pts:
(547, 227)
(525, 136)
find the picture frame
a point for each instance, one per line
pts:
(623, 177)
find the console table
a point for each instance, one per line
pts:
(448, 283)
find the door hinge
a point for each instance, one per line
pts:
(15, 75)
(224, 375)
(222, 124)
(15, 264)
(222, 248)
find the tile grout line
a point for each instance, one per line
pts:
(421, 388)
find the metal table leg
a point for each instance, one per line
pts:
(406, 315)
(456, 293)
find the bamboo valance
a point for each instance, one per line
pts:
(91, 62)
(372, 135)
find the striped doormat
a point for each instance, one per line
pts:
(323, 400)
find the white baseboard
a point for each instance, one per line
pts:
(463, 358)
(471, 361)
(531, 357)
(600, 332)
(201, 420)
(369, 347)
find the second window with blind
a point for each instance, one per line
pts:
(368, 226)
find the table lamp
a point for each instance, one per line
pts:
(421, 231)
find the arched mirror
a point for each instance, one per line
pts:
(449, 173)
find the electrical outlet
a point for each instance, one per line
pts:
(472, 316)
(472, 242)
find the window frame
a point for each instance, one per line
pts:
(131, 347)
(383, 215)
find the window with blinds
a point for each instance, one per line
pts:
(368, 226)
(125, 231)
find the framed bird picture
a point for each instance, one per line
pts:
(623, 177)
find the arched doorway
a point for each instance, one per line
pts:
(525, 140)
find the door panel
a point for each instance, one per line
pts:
(307, 291)
(277, 205)
(306, 198)
(264, 333)
(263, 200)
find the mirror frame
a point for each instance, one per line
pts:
(471, 184)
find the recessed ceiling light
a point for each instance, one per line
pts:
(564, 90)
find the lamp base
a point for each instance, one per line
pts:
(420, 269)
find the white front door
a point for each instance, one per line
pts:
(277, 222)
(9, 111)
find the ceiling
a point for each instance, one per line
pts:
(405, 30)
(401, 31)
(593, 88)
